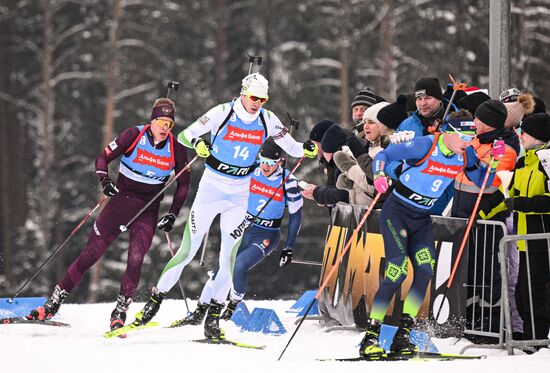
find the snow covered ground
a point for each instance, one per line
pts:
(81, 348)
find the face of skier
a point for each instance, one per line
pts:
(269, 166)
(457, 143)
(427, 105)
(252, 103)
(372, 130)
(161, 128)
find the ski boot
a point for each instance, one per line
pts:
(118, 316)
(151, 307)
(370, 349)
(401, 342)
(228, 312)
(194, 318)
(50, 308)
(212, 323)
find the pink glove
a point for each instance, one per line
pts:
(381, 183)
(498, 150)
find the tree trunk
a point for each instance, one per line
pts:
(110, 83)
(345, 61)
(387, 83)
(220, 60)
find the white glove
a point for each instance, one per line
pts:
(401, 136)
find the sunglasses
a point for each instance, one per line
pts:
(163, 123)
(462, 136)
(261, 100)
(267, 161)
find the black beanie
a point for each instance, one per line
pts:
(540, 107)
(392, 115)
(334, 139)
(319, 129)
(270, 149)
(537, 125)
(449, 93)
(493, 113)
(472, 101)
(365, 97)
(428, 87)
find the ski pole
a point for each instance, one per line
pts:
(252, 60)
(58, 249)
(204, 244)
(123, 228)
(456, 87)
(466, 235)
(179, 280)
(306, 262)
(172, 84)
(331, 272)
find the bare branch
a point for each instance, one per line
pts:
(135, 90)
(73, 75)
(20, 103)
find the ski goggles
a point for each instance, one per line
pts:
(461, 135)
(261, 100)
(164, 122)
(267, 161)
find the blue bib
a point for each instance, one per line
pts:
(423, 184)
(146, 164)
(235, 146)
(261, 189)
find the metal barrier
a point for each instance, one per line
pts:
(505, 331)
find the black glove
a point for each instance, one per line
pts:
(285, 257)
(356, 145)
(166, 223)
(109, 188)
(509, 202)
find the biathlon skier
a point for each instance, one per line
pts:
(149, 153)
(237, 130)
(405, 223)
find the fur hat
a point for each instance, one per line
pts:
(255, 85)
(393, 114)
(538, 126)
(493, 113)
(319, 130)
(163, 107)
(524, 105)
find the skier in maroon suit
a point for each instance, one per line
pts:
(149, 154)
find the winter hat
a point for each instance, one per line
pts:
(163, 107)
(393, 114)
(523, 105)
(509, 95)
(366, 97)
(540, 107)
(428, 87)
(411, 104)
(334, 139)
(472, 101)
(319, 129)
(255, 85)
(372, 112)
(449, 92)
(270, 149)
(538, 126)
(493, 113)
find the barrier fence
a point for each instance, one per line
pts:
(478, 301)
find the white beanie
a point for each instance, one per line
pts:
(255, 85)
(372, 111)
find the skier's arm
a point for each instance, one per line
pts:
(281, 136)
(476, 172)
(209, 122)
(412, 150)
(294, 203)
(115, 149)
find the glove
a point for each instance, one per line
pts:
(381, 183)
(285, 257)
(166, 223)
(498, 149)
(109, 188)
(202, 147)
(356, 146)
(310, 149)
(401, 136)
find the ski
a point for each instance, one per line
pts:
(178, 324)
(24, 320)
(129, 328)
(417, 356)
(223, 341)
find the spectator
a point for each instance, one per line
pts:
(364, 99)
